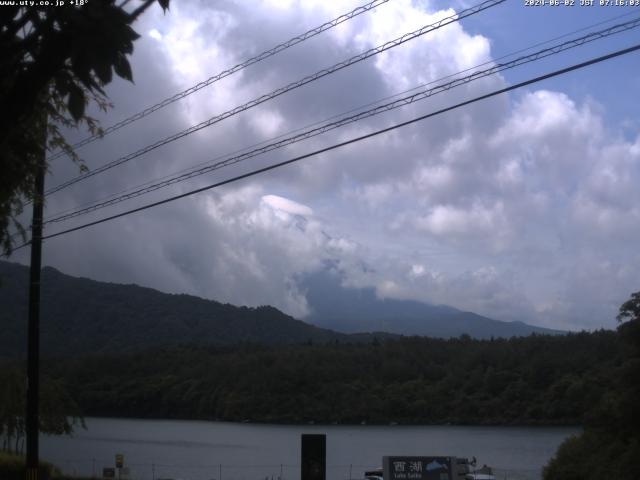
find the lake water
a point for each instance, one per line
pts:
(199, 450)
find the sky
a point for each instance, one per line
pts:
(523, 206)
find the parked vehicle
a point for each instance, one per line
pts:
(467, 470)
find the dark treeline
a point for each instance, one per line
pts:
(539, 380)
(609, 446)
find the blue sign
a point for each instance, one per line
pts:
(419, 468)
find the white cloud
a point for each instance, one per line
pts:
(155, 34)
(286, 205)
(447, 220)
(521, 207)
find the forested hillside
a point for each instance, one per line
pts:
(79, 315)
(609, 446)
(533, 380)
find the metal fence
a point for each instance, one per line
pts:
(280, 471)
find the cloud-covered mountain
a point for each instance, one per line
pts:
(79, 315)
(350, 309)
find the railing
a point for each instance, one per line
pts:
(277, 471)
(520, 474)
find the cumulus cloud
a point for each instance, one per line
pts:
(518, 208)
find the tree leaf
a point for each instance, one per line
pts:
(122, 67)
(102, 68)
(76, 101)
(164, 4)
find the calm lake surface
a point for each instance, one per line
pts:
(199, 450)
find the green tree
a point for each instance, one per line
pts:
(609, 447)
(59, 413)
(630, 310)
(53, 62)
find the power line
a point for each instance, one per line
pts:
(258, 58)
(377, 102)
(280, 91)
(555, 73)
(421, 95)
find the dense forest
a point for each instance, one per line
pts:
(533, 380)
(609, 446)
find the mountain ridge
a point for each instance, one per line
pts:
(81, 315)
(359, 309)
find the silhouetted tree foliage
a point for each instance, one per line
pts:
(12, 467)
(59, 412)
(53, 61)
(609, 447)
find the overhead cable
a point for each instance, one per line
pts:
(258, 58)
(353, 110)
(280, 91)
(414, 97)
(540, 78)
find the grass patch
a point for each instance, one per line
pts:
(12, 467)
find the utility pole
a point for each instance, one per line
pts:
(33, 330)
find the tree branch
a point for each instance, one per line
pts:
(140, 10)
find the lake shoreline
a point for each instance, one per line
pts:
(202, 450)
(339, 424)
